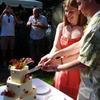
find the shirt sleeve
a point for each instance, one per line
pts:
(30, 19)
(45, 22)
(90, 51)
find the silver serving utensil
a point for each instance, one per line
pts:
(34, 69)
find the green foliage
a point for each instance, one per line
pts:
(50, 3)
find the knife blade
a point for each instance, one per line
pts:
(34, 69)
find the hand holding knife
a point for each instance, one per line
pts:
(37, 67)
(33, 70)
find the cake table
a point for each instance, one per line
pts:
(44, 91)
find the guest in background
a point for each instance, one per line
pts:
(39, 24)
(7, 41)
(20, 38)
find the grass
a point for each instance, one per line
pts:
(45, 76)
(2, 84)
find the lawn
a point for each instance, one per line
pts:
(45, 76)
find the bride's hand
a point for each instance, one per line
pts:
(47, 59)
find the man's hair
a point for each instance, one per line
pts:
(36, 9)
(97, 1)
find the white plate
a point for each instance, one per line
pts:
(42, 89)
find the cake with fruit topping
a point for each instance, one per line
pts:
(19, 84)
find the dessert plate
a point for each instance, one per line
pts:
(42, 89)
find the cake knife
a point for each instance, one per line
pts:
(32, 70)
(38, 67)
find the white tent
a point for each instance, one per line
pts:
(23, 3)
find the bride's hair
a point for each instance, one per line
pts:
(82, 20)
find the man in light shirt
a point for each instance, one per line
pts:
(38, 24)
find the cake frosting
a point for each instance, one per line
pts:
(19, 74)
(18, 86)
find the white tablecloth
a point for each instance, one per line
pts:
(44, 91)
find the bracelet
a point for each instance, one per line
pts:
(61, 60)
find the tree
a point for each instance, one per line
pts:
(47, 4)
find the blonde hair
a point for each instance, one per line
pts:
(82, 20)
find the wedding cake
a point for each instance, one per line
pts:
(19, 84)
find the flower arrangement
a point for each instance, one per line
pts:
(19, 64)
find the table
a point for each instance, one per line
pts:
(44, 91)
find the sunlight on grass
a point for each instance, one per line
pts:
(45, 76)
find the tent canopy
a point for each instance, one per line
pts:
(23, 3)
